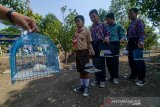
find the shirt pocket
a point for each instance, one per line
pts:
(82, 37)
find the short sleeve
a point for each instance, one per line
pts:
(140, 30)
(88, 36)
(105, 31)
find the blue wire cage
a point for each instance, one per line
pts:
(141, 55)
(32, 56)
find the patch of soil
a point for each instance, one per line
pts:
(58, 91)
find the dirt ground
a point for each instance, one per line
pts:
(58, 91)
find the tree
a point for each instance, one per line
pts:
(67, 31)
(10, 30)
(17, 5)
(102, 14)
(150, 8)
(60, 33)
(152, 37)
(51, 27)
(120, 9)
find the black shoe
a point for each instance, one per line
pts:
(86, 92)
(140, 83)
(115, 81)
(79, 89)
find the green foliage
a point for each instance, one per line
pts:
(61, 33)
(50, 26)
(17, 5)
(120, 9)
(102, 14)
(150, 8)
(68, 30)
(151, 39)
(10, 30)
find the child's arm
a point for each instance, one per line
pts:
(106, 33)
(122, 34)
(90, 48)
(89, 40)
(141, 34)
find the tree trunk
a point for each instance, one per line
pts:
(66, 57)
(156, 47)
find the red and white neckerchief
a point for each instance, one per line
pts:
(75, 39)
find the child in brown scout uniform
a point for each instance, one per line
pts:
(83, 49)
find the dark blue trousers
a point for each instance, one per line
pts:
(138, 67)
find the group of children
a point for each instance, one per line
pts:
(89, 43)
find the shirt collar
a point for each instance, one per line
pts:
(80, 30)
(95, 24)
(111, 25)
(134, 20)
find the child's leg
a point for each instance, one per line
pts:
(97, 64)
(110, 68)
(115, 59)
(86, 83)
(79, 69)
(82, 79)
(82, 85)
(86, 79)
(115, 66)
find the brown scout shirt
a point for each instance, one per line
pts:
(83, 40)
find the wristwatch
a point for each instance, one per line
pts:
(9, 15)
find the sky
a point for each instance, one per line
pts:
(82, 7)
(54, 6)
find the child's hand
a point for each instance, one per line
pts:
(106, 40)
(122, 41)
(91, 52)
(141, 45)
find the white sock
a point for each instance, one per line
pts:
(82, 82)
(86, 82)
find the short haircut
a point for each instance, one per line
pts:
(110, 15)
(134, 9)
(79, 17)
(93, 11)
